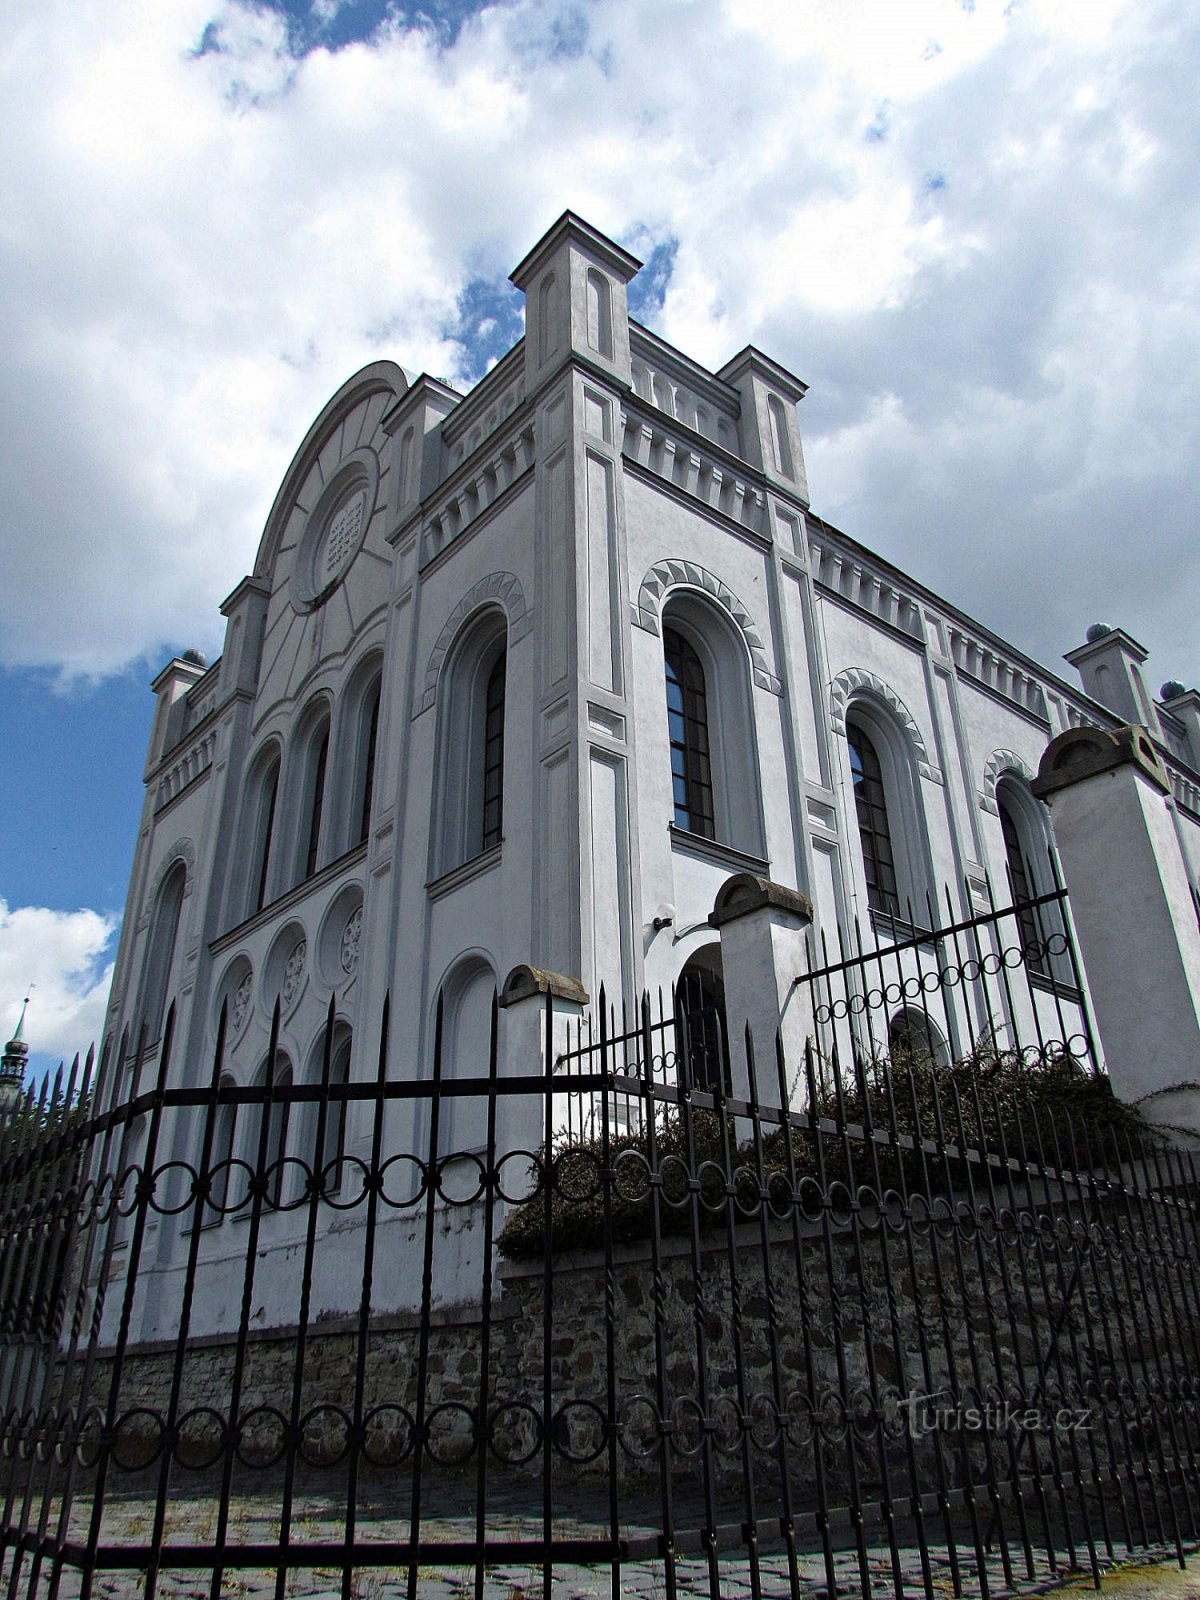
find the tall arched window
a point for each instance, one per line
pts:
(277, 1113)
(715, 790)
(262, 803)
(492, 820)
(466, 1053)
(223, 1191)
(1026, 861)
(368, 744)
(471, 747)
(313, 760)
(888, 814)
(687, 728)
(874, 828)
(160, 951)
(326, 1146)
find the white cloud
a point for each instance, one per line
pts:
(971, 228)
(62, 960)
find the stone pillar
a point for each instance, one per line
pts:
(528, 995)
(762, 928)
(1132, 906)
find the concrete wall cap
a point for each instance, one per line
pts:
(525, 981)
(745, 892)
(1086, 752)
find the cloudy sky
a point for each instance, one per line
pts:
(970, 225)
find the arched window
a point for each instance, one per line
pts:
(223, 1188)
(493, 754)
(259, 829)
(313, 759)
(466, 1053)
(701, 1034)
(874, 828)
(277, 1113)
(1026, 861)
(471, 702)
(160, 951)
(687, 728)
(326, 1145)
(888, 814)
(368, 744)
(715, 791)
(915, 1042)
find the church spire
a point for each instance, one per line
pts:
(12, 1067)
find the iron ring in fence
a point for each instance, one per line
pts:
(190, 1448)
(229, 1202)
(715, 1194)
(876, 999)
(331, 1184)
(462, 1440)
(136, 1445)
(316, 1447)
(534, 1181)
(678, 1193)
(931, 982)
(457, 1164)
(868, 1207)
(893, 1413)
(942, 1217)
(726, 1440)
(831, 1417)
(398, 1201)
(750, 1194)
(841, 1218)
(991, 964)
(687, 1409)
(799, 1420)
(970, 970)
(895, 1212)
(632, 1176)
(568, 1174)
(257, 1448)
(780, 1196)
(628, 1432)
(517, 1409)
(163, 1207)
(89, 1439)
(762, 1408)
(387, 1453)
(563, 1435)
(863, 1415)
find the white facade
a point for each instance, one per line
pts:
(330, 813)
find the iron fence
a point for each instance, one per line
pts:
(917, 1311)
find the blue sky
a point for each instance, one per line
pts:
(970, 225)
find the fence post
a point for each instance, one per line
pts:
(1133, 911)
(526, 994)
(762, 927)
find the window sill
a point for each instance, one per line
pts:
(725, 855)
(1055, 986)
(290, 897)
(449, 881)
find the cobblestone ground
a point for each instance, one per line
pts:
(256, 1520)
